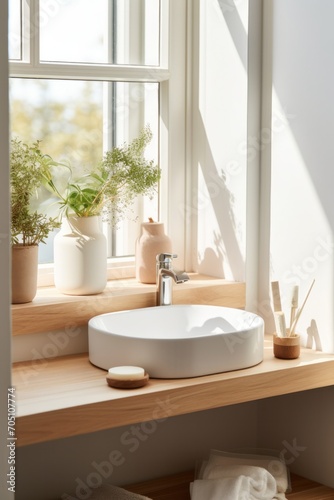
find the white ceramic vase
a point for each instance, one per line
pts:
(80, 256)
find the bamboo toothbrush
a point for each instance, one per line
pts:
(293, 327)
(293, 306)
(280, 324)
(276, 296)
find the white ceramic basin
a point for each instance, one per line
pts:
(177, 341)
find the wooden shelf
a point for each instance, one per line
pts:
(305, 489)
(176, 487)
(67, 396)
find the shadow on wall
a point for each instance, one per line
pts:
(224, 256)
(303, 77)
(236, 28)
(212, 260)
(306, 87)
(226, 243)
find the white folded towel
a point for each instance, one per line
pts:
(110, 492)
(235, 483)
(273, 465)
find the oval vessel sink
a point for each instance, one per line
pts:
(177, 341)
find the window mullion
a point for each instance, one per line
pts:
(26, 13)
(30, 38)
(109, 115)
(173, 136)
(90, 72)
(34, 20)
(164, 34)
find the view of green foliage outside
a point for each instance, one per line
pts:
(66, 116)
(74, 120)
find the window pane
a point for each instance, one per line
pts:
(14, 29)
(65, 115)
(133, 105)
(75, 121)
(136, 31)
(103, 31)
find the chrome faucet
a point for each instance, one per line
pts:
(165, 277)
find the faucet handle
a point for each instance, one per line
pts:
(161, 257)
(164, 260)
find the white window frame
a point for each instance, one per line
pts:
(171, 74)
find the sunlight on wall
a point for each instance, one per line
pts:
(302, 245)
(301, 238)
(221, 129)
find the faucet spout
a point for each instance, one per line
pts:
(165, 278)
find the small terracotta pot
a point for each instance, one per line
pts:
(286, 347)
(24, 273)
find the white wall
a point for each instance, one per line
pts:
(302, 159)
(139, 452)
(301, 425)
(218, 200)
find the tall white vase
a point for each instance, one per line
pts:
(80, 256)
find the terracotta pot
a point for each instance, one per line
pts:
(24, 273)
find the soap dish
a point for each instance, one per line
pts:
(128, 384)
(127, 377)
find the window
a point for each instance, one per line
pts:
(86, 76)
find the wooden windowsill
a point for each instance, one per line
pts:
(51, 310)
(67, 396)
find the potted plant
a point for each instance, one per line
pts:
(29, 227)
(104, 193)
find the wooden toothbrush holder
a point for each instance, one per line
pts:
(286, 347)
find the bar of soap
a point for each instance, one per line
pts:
(127, 377)
(126, 373)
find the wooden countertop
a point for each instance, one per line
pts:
(67, 396)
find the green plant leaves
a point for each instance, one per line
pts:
(29, 168)
(111, 187)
